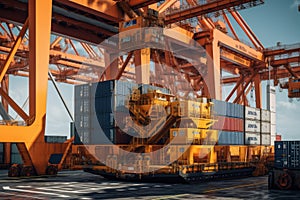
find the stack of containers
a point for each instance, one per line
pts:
(252, 126)
(83, 112)
(271, 105)
(109, 101)
(230, 122)
(100, 109)
(265, 137)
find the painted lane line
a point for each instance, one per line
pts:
(34, 192)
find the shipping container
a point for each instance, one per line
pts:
(273, 130)
(82, 121)
(82, 91)
(84, 135)
(228, 124)
(112, 87)
(252, 138)
(252, 126)
(265, 115)
(273, 139)
(109, 104)
(266, 127)
(252, 113)
(82, 106)
(271, 98)
(223, 108)
(265, 139)
(287, 154)
(273, 118)
(55, 139)
(230, 138)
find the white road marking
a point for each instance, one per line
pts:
(34, 192)
(24, 186)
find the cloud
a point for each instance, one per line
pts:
(286, 105)
(288, 120)
(295, 4)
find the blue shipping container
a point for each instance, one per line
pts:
(287, 154)
(230, 138)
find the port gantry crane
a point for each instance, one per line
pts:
(25, 34)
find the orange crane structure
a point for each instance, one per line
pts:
(62, 37)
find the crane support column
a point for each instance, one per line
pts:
(213, 81)
(111, 66)
(258, 91)
(142, 65)
(39, 42)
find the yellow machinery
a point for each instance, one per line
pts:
(186, 147)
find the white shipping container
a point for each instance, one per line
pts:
(252, 113)
(265, 139)
(265, 115)
(252, 138)
(273, 117)
(271, 98)
(265, 127)
(273, 139)
(252, 126)
(273, 130)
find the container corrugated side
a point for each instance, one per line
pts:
(265, 139)
(113, 87)
(252, 138)
(229, 124)
(266, 127)
(82, 91)
(273, 118)
(108, 104)
(230, 138)
(82, 121)
(223, 108)
(273, 130)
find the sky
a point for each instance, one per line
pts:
(274, 21)
(279, 21)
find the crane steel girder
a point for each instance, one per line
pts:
(66, 20)
(203, 9)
